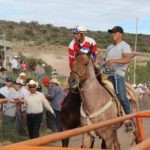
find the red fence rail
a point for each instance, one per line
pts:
(145, 145)
(74, 132)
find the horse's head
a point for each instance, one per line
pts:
(79, 72)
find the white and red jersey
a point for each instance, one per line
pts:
(85, 46)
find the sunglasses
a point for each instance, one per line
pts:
(31, 87)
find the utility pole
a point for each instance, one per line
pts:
(128, 77)
(135, 49)
(4, 49)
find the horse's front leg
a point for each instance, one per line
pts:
(87, 141)
(115, 140)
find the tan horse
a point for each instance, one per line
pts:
(97, 102)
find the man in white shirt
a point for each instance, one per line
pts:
(34, 108)
(14, 64)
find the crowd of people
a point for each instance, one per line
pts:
(143, 91)
(27, 104)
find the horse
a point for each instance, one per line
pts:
(70, 114)
(97, 103)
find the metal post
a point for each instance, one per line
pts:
(135, 48)
(4, 45)
(128, 77)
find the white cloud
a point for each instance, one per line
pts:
(95, 14)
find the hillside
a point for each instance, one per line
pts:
(56, 56)
(34, 34)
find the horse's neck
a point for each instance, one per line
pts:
(93, 94)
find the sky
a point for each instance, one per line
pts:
(95, 15)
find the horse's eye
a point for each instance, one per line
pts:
(86, 64)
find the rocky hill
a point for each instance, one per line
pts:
(43, 36)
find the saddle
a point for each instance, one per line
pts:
(131, 94)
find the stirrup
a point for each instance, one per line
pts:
(130, 126)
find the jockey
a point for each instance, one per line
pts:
(81, 43)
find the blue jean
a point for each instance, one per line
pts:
(53, 123)
(119, 85)
(21, 123)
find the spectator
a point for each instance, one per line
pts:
(40, 71)
(34, 108)
(9, 108)
(140, 93)
(22, 92)
(57, 95)
(15, 64)
(22, 76)
(23, 66)
(2, 76)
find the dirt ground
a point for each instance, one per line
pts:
(57, 57)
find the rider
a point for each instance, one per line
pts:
(81, 43)
(118, 56)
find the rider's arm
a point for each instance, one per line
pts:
(71, 54)
(126, 58)
(71, 58)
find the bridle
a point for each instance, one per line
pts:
(80, 81)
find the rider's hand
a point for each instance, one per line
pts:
(97, 66)
(109, 63)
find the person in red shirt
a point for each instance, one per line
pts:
(23, 66)
(81, 43)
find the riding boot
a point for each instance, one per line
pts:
(129, 126)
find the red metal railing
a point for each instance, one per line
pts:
(74, 132)
(145, 145)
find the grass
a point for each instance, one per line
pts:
(8, 133)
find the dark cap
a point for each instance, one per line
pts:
(8, 79)
(116, 29)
